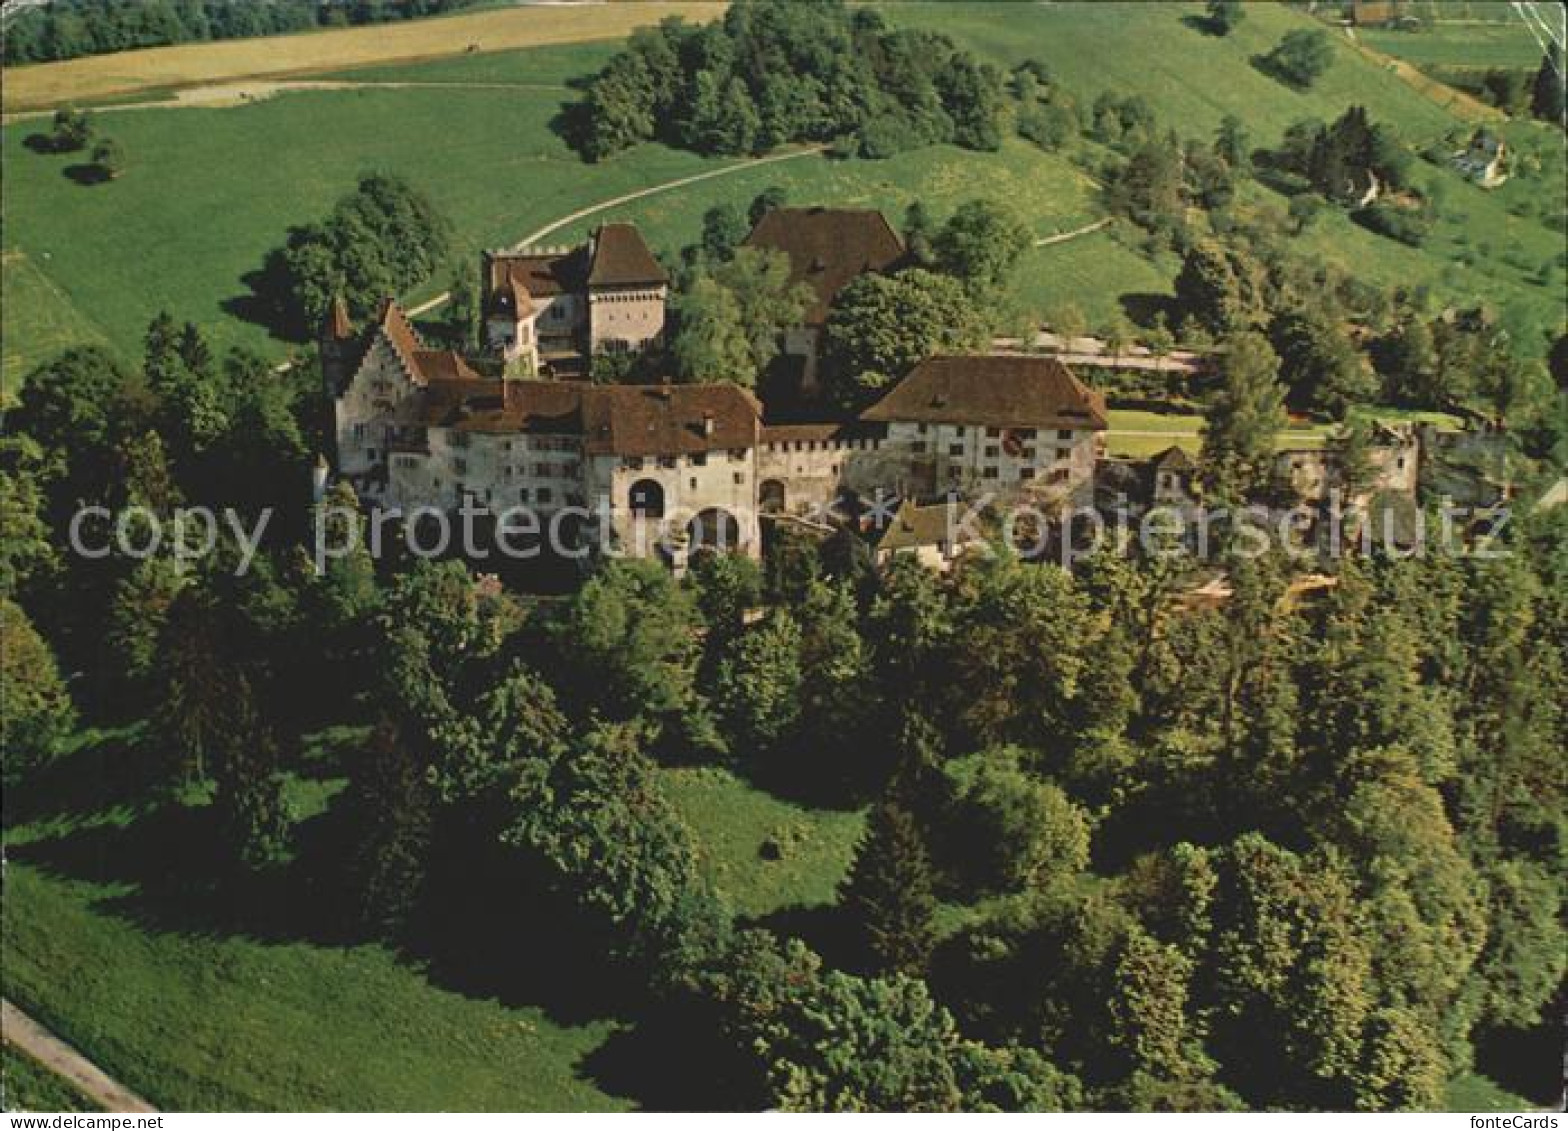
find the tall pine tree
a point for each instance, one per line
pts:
(888, 893)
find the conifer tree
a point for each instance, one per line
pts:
(889, 892)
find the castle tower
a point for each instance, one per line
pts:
(336, 343)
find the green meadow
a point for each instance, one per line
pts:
(208, 192)
(199, 1006)
(1509, 45)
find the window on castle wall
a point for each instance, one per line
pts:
(739, 479)
(955, 449)
(1064, 433)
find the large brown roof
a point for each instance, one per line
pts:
(997, 390)
(827, 247)
(620, 258)
(630, 420)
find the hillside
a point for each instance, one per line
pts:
(208, 191)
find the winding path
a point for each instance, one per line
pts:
(680, 182)
(60, 1058)
(626, 198)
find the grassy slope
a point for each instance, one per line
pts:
(36, 320)
(203, 1022)
(195, 1015)
(1508, 45)
(26, 1085)
(209, 191)
(1474, 1092)
(733, 820)
(198, 1016)
(1194, 80)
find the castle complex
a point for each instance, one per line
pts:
(673, 467)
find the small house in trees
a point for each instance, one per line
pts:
(1484, 159)
(934, 534)
(826, 248)
(1172, 478)
(548, 310)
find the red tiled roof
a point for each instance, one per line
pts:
(620, 258)
(424, 365)
(827, 247)
(514, 281)
(998, 390)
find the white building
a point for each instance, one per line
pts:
(1009, 425)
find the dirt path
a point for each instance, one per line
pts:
(681, 182)
(1047, 241)
(60, 1058)
(214, 96)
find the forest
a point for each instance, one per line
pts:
(775, 72)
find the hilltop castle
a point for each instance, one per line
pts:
(675, 467)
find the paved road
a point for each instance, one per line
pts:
(60, 1058)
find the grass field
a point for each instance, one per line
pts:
(88, 80)
(1137, 434)
(209, 191)
(165, 993)
(1193, 79)
(170, 995)
(37, 319)
(763, 853)
(26, 1085)
(1507, 45)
